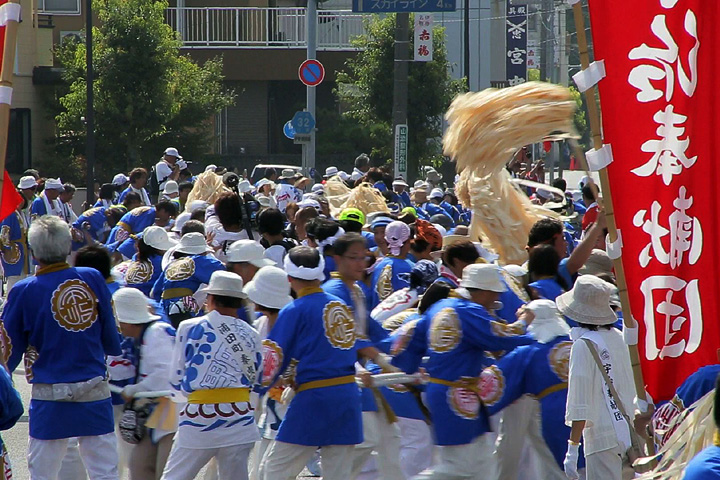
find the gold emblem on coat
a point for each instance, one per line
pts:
(463, 402)
(491, 386)
(384, 286)
(445, 331)
(180, 269)
(502, 329)
(11, 250)
(515, 285)
(31, 356)
(398, 320)
(139, 272)
(559, 360)
(339, 325)
(74, 305)
(5, 344)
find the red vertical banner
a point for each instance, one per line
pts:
(661, 116)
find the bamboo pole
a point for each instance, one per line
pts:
(595, 128)
(6, 80)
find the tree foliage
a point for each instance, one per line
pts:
(146, 94)
(365, 88)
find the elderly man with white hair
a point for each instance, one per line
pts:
(62, 321)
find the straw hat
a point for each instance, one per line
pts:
(131, 307)
(193, 243)
(226, 284)
(588, 302)
(157, 237)
(269, 288)
(483, 276)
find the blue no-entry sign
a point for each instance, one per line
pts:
(288, 130)
(311, 73)
(303, 123)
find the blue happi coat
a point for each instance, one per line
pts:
(455, 333)
(61, 320)
(133, 222)
(540, 370)
(175, 288)
(14, 252)
(316, 331)
(386, 278)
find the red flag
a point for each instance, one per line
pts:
(11, 198)
(659, 108)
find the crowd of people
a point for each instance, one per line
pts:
(250, 334)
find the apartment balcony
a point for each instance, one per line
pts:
(262, 27)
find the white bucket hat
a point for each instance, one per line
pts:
(331, 171)
(157, 237)
(483, 276)
(27, 182)
(588, 302)
(547, 324)
(171, 186)
(120, 179)
(227, 284)
(436, 193)
(248, 251)
(53, 184)
(269, 288)
(180, 222)
(132, 307)
(193, 243)
(172, 152)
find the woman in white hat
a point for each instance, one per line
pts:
(146, 265)
(270, 292)
(182, 278)
(153, 342)
(591, 411)
(215, 365)
(530, 385)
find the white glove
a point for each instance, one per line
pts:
(287, 396)
(570, 463)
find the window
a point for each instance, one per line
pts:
(19, 141)
(59, 7)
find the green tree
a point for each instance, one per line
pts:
(366, 89)
(147, 95)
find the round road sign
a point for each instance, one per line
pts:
(311, 73)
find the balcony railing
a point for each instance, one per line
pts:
(253, 27)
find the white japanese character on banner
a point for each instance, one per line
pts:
(668, 58)
(683, 327)
(516, 56)
(516, 81)
(685, 233)
(670, 150)
(516, 31)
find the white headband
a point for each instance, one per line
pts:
(330, 240)
(304, 273)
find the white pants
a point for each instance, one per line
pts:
(186, 463)
(460, 462)
(72, 467)
(99, 454)
(416, 446)
(606, 465)
(384, 439)
(286, 460)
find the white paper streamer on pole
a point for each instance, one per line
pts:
(614, 249)
(599, 159)
(590, 77)
(6, 94)
(8, 12)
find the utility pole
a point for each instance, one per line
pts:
(90, 113)
(311, 29)
(466, 42)
(400, 82)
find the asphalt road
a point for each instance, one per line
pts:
(16, 439)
